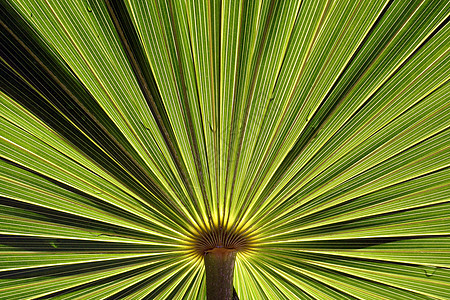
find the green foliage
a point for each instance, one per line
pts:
(313, 135)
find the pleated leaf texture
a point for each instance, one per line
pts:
(311, 136)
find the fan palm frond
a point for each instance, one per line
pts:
(309, 139)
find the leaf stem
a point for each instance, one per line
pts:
(219, 265)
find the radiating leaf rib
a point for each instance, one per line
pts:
(308, 154)
(426, 127)
(425, 252)
(140, 125)
(26, 260)
(43, 285)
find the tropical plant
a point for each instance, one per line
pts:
(300, 145)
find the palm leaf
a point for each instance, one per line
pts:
(310, 136)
